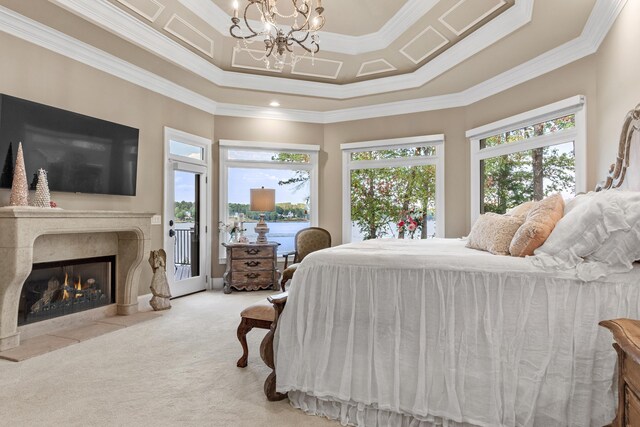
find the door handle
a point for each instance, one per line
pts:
(172, 233)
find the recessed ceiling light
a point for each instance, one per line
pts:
(274, 104)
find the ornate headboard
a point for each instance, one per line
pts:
(625, 172)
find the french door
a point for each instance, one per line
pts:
(186, 239)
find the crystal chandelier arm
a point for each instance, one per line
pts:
(301, 43)
(236, 26)
(304, 7)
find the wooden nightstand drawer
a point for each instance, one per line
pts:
(631, 372)
(252, 264)
(264, 277)
(632, 410)
(248, 252)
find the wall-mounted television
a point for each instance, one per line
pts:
(81, 154)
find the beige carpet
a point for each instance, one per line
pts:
(178, 370)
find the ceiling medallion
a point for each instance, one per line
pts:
(281, 41)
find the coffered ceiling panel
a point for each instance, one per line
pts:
(246, 58)
(148, 9)
(424, 44)
(317, 67)
(375, 66)
(186, 32)
(467, 13)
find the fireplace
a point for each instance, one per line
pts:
(59, 288)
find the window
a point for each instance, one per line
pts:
(385, 182)
(291, 169)
(528, 157)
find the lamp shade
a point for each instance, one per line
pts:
(263, 199)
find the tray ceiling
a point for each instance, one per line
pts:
(179, 47)
(361, 41)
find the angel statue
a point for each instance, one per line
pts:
(159, 285)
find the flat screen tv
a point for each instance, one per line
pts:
(81, 154)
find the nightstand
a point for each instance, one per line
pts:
(626, 333)
(251, 266)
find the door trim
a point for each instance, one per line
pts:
(203, 166)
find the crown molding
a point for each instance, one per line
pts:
(112, 18)
(600, 21)
(253, 112)
(34, 32)
(409, 14)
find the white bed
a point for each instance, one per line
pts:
(434, 330)
(421, 333)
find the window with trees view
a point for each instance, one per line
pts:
(393, 188)
(528, 157)
(291, 169)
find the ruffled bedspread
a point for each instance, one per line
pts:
(417, 333)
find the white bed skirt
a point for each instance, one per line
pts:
(387, 345)
(357, 414)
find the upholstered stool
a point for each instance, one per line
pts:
(259, 315)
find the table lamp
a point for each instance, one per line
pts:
(262, 200)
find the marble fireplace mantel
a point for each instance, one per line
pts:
(20, 228)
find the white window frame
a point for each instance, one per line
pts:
(575, 105)
(348, 165)
(226, 163)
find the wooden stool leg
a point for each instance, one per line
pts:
(243, 330)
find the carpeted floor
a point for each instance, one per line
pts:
(178, 370)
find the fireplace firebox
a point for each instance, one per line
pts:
(55, 289)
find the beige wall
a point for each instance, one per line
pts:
(618, 83)
(608, 79)
(39, 75)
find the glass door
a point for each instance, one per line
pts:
(186, 217)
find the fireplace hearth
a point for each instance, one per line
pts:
(60, 288)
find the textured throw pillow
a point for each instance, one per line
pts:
(522, 209)
(537, 226)
(621, 249)
(577, 201)
(493, 233)
(592, 234)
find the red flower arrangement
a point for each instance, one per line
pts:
(410, 222)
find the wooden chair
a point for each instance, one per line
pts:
(307, 240)
(259, 315)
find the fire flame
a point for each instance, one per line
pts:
(65, 294)
(77, 285)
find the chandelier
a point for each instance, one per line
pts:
(284, 45)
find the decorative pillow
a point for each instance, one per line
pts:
(621, 249)
(590, 233)
(538, 226)
(493, 233)
(577, 201)
(522, 209)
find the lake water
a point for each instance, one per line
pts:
(284, 232)
(281, 232)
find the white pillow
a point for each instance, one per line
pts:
(619, 251)
(590, 221)
(577, 201)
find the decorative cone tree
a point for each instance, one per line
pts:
(19, 187)
(42, 198)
